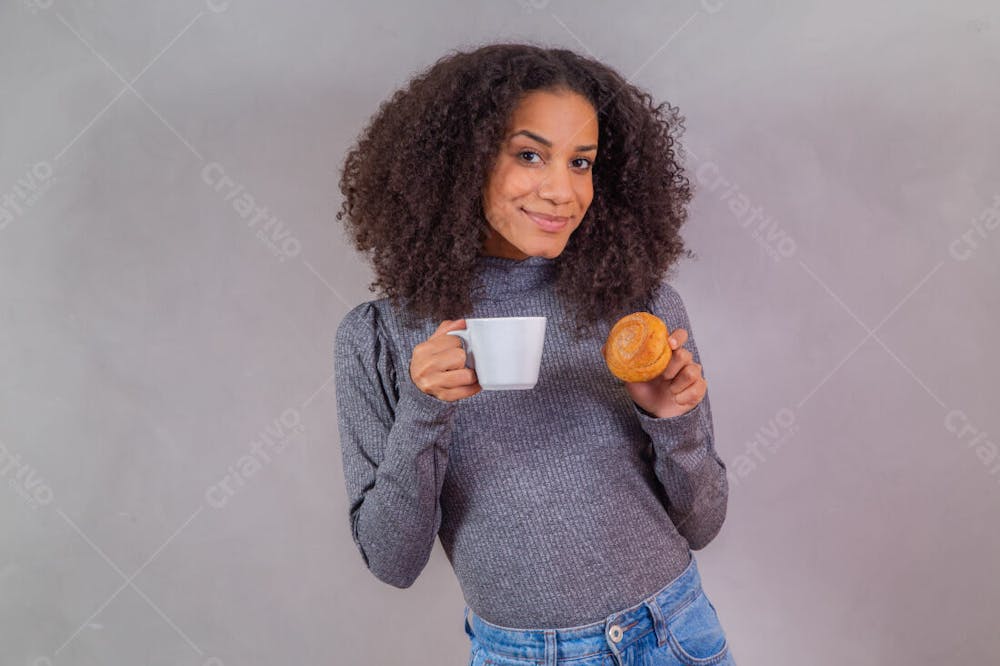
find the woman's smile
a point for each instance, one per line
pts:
(547, 222)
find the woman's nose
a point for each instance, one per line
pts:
(556, 184)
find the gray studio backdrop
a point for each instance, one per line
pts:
(172, 489)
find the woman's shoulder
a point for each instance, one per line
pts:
(378, 322)
(667, 304)
(362, 323)
(665, 295)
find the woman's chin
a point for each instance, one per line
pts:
(551, 250)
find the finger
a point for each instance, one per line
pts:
(451, 395)
(461, 390)
(678, 360)
(689, 375)
(458, 378)
(443, 326)
(677, 338)
(449, 325)
(449, 358)
(440, 338)
(692, 394)
(442, 343)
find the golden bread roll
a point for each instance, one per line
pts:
(637, 349)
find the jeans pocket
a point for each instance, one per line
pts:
(695, 633)
(478, 657)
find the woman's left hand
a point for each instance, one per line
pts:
(678, 389)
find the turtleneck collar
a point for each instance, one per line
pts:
(504, 278)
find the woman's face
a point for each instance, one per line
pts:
(544, 167)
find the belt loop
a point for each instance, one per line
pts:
(551, 649)
(659, 623)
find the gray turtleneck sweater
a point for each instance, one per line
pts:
(556, 506)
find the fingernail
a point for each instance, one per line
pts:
(673, 342)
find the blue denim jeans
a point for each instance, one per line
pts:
(676, 625)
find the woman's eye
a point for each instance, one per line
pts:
(586, 167)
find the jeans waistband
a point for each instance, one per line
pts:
(612, 634)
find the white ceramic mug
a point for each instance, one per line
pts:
(505, 352)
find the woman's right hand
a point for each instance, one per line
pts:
(437, 366)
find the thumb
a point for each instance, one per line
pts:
(450, 325)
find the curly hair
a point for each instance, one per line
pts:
(412, 183)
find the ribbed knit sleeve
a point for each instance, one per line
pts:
(394, 441)
(686, 462)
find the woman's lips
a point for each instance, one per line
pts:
(547, 222)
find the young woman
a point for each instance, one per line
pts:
(514, 180)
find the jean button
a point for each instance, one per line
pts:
(615, 632)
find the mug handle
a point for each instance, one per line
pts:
(463, 335)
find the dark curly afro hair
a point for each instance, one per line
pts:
(413, 183)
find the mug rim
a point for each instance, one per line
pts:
(468, 319)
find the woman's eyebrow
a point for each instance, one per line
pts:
(545, 142)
